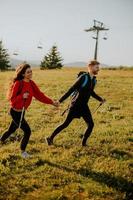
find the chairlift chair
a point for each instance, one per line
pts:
(15, 54)
(94, 37)
(105, 36)
(39, 47)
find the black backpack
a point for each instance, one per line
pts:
(75, 93)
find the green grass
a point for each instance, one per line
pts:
(102, 171)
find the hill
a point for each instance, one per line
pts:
(76, 64)
(35, 63)
(15, 62)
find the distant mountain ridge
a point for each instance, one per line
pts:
(76, 64)
(36, 63)
(81, 64)
(15, 62)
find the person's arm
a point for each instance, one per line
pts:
(76, 86)
(40, 96)
(94, 95)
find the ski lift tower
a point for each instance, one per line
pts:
(97, 27)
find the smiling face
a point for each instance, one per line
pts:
(93, 67)
(28, 74)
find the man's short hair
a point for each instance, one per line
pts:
(93, 62)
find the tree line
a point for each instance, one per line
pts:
(52, 60)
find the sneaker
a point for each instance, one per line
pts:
(24, 154)
(49, 141)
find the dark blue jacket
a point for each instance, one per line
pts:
(80, 94)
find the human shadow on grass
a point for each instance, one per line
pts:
(10, 161)
(118, 183)
(120, 154)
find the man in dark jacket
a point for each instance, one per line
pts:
(81, 91)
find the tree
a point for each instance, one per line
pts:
(52, 60)
(4, 58)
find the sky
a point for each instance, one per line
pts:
(25, 24)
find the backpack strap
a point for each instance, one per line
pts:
(95, 81)
(85, 81)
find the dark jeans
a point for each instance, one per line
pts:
(13, 127)
(87, 118)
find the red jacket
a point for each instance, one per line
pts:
(17, 100)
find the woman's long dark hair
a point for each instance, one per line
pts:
(20, 71)
(19, 75)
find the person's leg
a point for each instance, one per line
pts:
(90, 124)
(60, 128)
(27, 132)
(12, 128)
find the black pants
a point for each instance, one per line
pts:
(14, 125)
(86, 114)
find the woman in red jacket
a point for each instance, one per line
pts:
(20, 95)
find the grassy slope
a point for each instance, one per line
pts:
(66, 170)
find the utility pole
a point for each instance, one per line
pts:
(97, 27)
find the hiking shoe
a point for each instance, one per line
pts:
(49, 141)
(24, 154)
(84, 144)
(1, 142)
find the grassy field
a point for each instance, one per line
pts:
(101, 171)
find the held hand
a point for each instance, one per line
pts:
(56, 103)
(25, 95)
